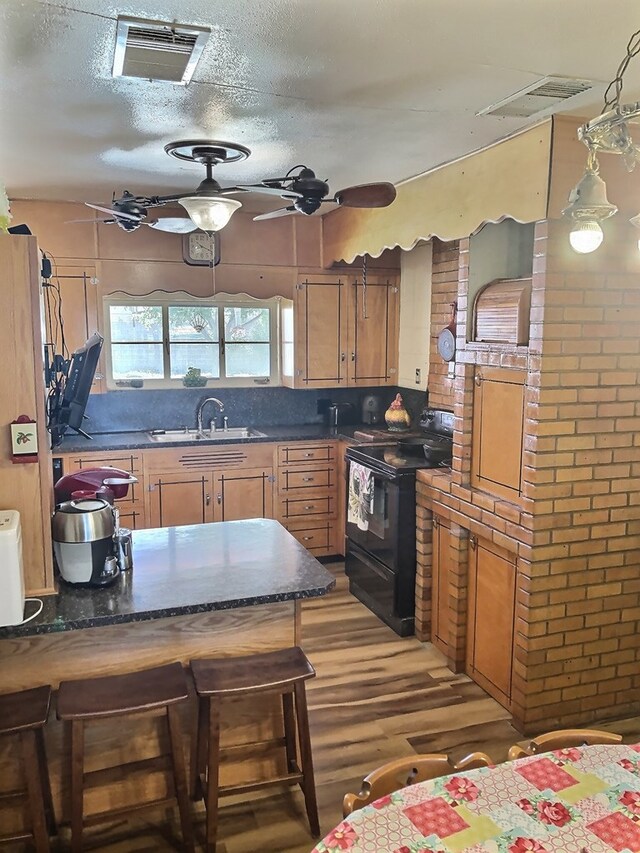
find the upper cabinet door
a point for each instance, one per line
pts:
(321, 332)
(373, 331)
(498, 426)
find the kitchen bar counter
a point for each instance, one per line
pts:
(187, 570)
(215, 590)
(140, 440)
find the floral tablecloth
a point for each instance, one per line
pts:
(584, 800)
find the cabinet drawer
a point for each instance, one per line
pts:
(315, 536)
(311, 478)
(324, 506)
(209, 458)
(126, 460)
(298, 453)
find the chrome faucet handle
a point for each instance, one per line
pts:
(225, 423)
(212, 426)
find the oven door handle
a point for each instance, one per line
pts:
(381, 475)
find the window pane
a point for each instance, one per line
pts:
(137, 361)
(246, 324)
(192, 323)
(203, 356)
(248, 360)
(135, 322)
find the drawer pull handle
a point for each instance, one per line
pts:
(307, 538)
(307, 508)
(308, 455)
(307, 479)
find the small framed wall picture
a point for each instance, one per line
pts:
(24, 439)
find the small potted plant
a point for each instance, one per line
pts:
(193, 378)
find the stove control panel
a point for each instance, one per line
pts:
(437, 420)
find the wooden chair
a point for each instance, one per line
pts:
(562, 739)
(408, 771)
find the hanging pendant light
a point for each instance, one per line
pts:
(588, 207)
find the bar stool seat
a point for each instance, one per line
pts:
(24, 715)
(80, 701)
(282, 672)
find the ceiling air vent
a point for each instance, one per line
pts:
(543, 96)
(157, 51)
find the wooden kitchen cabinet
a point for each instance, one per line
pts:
(336, 334)
(373, 331)
(80, 311)
(132, 507)
(243, 493)
(440, 579)
(180, 498)
(308, 501)
(498, 429)
(491, 617)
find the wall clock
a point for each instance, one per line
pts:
(201, 249)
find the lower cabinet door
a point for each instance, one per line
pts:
(491, 617)
(440, 571)
(180, 498)
(243, 493)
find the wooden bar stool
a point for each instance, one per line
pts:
(87, 699)
(283, 672)
(24, 715)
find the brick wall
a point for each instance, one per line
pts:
(444, 291)
(576, 532)
(578, 642)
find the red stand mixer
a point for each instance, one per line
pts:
(90, 547)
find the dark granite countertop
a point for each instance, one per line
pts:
(185, 570)
(141, 441)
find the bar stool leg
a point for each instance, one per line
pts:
(77, 784)
(34, 790)
(180, 777)
(46, 783)
(199, 750)
(213, 776)
(308, 784)
(290, 732)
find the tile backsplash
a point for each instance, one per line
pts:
(118, 411)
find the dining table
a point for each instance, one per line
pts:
(577, 800)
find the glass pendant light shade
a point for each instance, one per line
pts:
(585, 236)
(209, 214)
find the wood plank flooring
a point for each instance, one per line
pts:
(376, 697)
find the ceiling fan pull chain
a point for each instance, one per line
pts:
(364, 287)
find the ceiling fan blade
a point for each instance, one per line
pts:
(279, 191)
(113, 212)
(172, 224)
(274, 214)
(367, 195)
(92, 219)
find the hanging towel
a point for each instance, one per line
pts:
(360, 495)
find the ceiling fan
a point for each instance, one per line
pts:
(306, 193)
(209, 206)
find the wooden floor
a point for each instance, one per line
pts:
(376, 697)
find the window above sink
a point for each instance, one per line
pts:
(175, 340)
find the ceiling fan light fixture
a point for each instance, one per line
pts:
(209, 214)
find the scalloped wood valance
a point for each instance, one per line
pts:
(508, 179)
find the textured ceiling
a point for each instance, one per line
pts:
(361, 90)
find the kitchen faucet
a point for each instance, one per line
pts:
(215, 400)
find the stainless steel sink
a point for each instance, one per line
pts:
(172, 436)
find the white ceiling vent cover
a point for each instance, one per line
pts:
(544, 95)
(154, 50)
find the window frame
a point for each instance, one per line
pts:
(181, 299)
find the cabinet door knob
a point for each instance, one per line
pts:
(219, 498)
(353, 356)
(343, 356)
(478, 379)
(472, 543)
(434, 522)
(207, 499)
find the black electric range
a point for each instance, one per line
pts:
(380, 557)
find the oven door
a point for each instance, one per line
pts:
(377, 532)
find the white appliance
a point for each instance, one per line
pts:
(11, 569)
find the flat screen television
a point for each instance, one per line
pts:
(68, 412)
